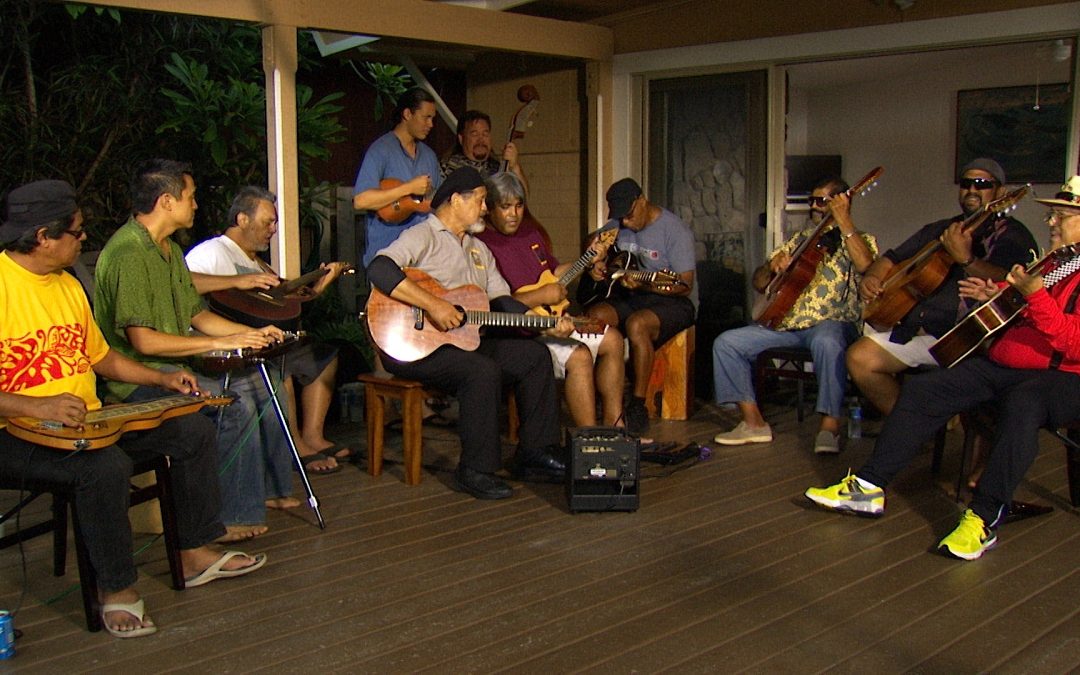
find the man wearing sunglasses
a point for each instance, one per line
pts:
(1031, 372)
(822, 319)
(876, 359)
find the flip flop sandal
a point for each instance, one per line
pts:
(136, 609)
(215, 571)
(307, 460)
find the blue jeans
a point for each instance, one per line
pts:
(254, 462)
(735, 351)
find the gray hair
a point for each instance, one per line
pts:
(247, 201)
(503, 187)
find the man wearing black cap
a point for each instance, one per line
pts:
(875, 360)
(443, 246)
(1031, 373)
(50, 353)
(648, 315)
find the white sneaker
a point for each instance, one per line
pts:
(743, 434)
(826, 443)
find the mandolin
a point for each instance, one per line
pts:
(102, 427)
(786, 287)
(991, 317)
(919, 276)
(607, 238)
(259, 308)
(402, 331)
(400, 209)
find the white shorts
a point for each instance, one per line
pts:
(914, 353)
(562, 348)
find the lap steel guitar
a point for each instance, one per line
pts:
(102, 427)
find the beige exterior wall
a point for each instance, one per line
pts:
(552, 152)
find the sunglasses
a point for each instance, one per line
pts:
(977, 183)
(78, 234)
(817, 201)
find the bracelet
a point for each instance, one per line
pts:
(845, 237)
(969, 261)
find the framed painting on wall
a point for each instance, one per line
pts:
(1024, 128)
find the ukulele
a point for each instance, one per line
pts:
(259, 307)
(400, 209)
(102, 427)
(919, 276)
(992, 316)
(607, 238)
(402, 331)
(787, 286)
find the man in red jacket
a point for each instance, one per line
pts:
(1032, 372)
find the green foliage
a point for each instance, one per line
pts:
(388, 80)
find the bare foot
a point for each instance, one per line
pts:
(282, 503)
(323, 464)
(120, 621)
(235, 533)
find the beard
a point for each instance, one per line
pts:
(476, 228)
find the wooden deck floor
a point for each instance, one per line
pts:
(723, 568)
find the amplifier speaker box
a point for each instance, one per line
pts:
(602, 474)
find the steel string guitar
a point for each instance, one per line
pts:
(786, 287)
(920, 275)
(402, 331)
(988, 319)
(102, 427)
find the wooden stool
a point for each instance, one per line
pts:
(377, 391)
(672, 378)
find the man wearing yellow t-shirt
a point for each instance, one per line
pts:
(50, 354)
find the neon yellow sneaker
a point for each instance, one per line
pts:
(970, 538)
(848, 496)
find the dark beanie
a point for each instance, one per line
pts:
(988, 165)
(464, 179)
(36, 204)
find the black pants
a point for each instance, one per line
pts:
(477, 378)
(1027, 400)
(100, 481)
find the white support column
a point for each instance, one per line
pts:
(279, 64)
(599, 149)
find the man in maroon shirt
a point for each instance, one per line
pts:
(1032, 373)
(523, 255)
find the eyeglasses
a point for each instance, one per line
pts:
(1058, 216)
(813, 200)
(78, 234)
(977, 183)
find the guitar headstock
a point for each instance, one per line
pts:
(587, 325)
(1008, 202)
(867, 182)
(666, 280)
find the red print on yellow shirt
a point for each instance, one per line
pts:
(44, 356)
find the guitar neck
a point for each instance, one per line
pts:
(510, 320)
(576, 270)
(288, 287)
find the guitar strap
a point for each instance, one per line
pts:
(1070, 306)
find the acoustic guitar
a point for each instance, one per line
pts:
(991, 317)
(258, 308)
(919, 276)
(102, 427)
(403, 332)
(786, 287)
(623, 266)
(606, 238)
(400, 209)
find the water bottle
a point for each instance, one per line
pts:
(854, 427)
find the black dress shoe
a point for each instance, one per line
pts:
(542, 463)
(480, 485)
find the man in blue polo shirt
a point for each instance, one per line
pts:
(398, 154)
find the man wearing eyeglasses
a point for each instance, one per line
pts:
(1032, 373)
(875, 360)
(51, 352)
(823, 319)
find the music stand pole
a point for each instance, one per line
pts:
(312, 501)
